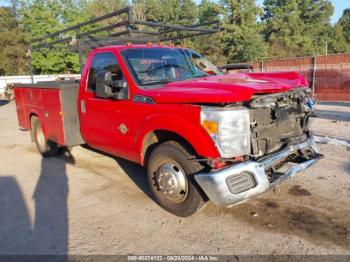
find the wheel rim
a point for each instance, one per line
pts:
(172, 182)
(40, 138)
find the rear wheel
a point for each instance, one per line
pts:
(45, 147)
(170, 175)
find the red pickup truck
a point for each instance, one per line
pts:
(201, 134)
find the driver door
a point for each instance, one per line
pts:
(102, 118)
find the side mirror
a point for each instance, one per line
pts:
(107, 88)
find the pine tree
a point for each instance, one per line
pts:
(241, 38)
(210, 45)
(209, 11)
(155, 11)
(13, 44)
(339, 35)
(296, 27)
(344, 22)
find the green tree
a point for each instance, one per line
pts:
(170, 11)
(296, 27)
(337, 42)
(13, 45)
(316, 16)
(40, 17)
(102, 7)
(188, 12)
(210, 45)
(283, 27)
(339, 35)
(241, 37)
(154, 11)
(344, 22)
(209, 11)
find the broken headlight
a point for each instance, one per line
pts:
(229, 128)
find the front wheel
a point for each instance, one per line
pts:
(170, 175)
(45, 147)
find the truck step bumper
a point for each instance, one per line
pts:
(240, 182)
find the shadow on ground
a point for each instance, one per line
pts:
(347, 168)
(135, 172)
(4, 102)
(48, 234)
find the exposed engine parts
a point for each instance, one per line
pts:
(279, 119)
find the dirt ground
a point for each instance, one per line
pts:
(89, 203)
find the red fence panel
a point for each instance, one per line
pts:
(330, 75)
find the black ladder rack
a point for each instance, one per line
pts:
(125, 30)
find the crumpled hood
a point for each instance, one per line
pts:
(227, 88)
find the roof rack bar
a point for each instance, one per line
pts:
(182, 36)
(127, 23)
(119, 33)
(214, 22)
(60, 40)
(91, 21)
(99, 42)
(105, 28)
(176, 27)
(144, 32)
(156, 32)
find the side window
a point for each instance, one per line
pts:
(104, 61)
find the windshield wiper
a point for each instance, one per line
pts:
(159, 81)
(200, 76)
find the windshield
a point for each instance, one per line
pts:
(152, 66)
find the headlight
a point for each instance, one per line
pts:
(229, 129)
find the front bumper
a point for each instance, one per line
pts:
(237, 183)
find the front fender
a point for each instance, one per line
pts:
(192, 132)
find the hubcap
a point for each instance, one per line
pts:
(172, 182)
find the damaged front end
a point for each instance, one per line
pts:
(281, 146)
(278, 120)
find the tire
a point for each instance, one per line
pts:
(45, 147)
(170, 162)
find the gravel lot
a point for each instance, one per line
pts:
(89, 203)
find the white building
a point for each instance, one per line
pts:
(5, 80)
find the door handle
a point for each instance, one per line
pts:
(83, 106)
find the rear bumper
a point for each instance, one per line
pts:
(235, 184)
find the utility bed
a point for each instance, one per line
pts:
(55, 103)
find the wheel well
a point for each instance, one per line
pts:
(31, 115)
(154, 138)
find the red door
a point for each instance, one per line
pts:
(105, 122)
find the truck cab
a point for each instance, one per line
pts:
(129, 112)
(201, 134)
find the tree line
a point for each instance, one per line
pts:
(279, 28)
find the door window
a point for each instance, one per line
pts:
(104, 61)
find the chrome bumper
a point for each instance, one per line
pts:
(217, 184)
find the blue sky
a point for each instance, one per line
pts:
(339, 5)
